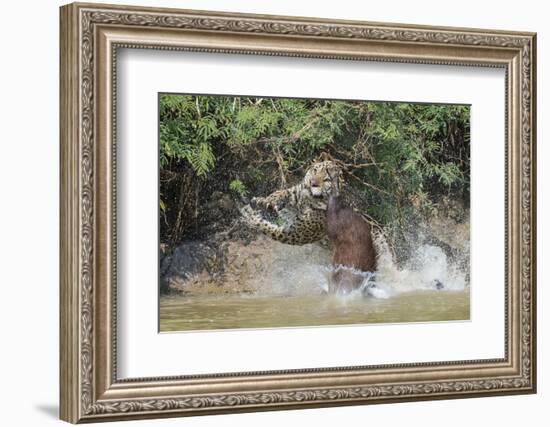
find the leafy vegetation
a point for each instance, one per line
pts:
(398, 157)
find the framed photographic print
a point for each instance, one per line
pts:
(266, 212)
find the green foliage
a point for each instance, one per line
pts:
(238, 186)
(398, 156)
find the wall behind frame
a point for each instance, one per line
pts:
(29, 171)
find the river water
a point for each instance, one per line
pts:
(184, 313)
(427, 288)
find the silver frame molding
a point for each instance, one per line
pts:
(90, 37)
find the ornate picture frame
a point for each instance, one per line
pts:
(90, 37)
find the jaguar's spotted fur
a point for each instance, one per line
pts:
(300, 211)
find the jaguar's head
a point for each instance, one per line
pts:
(323, 179)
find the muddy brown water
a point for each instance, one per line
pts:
(191, 313)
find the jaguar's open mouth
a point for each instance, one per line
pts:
(316, 191)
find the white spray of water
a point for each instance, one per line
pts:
(427, 268)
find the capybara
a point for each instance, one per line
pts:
(353, 248)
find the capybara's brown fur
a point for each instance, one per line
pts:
(353, 247)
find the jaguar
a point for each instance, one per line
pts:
(299, 212)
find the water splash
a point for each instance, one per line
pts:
(427, 267)
(300, 276)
